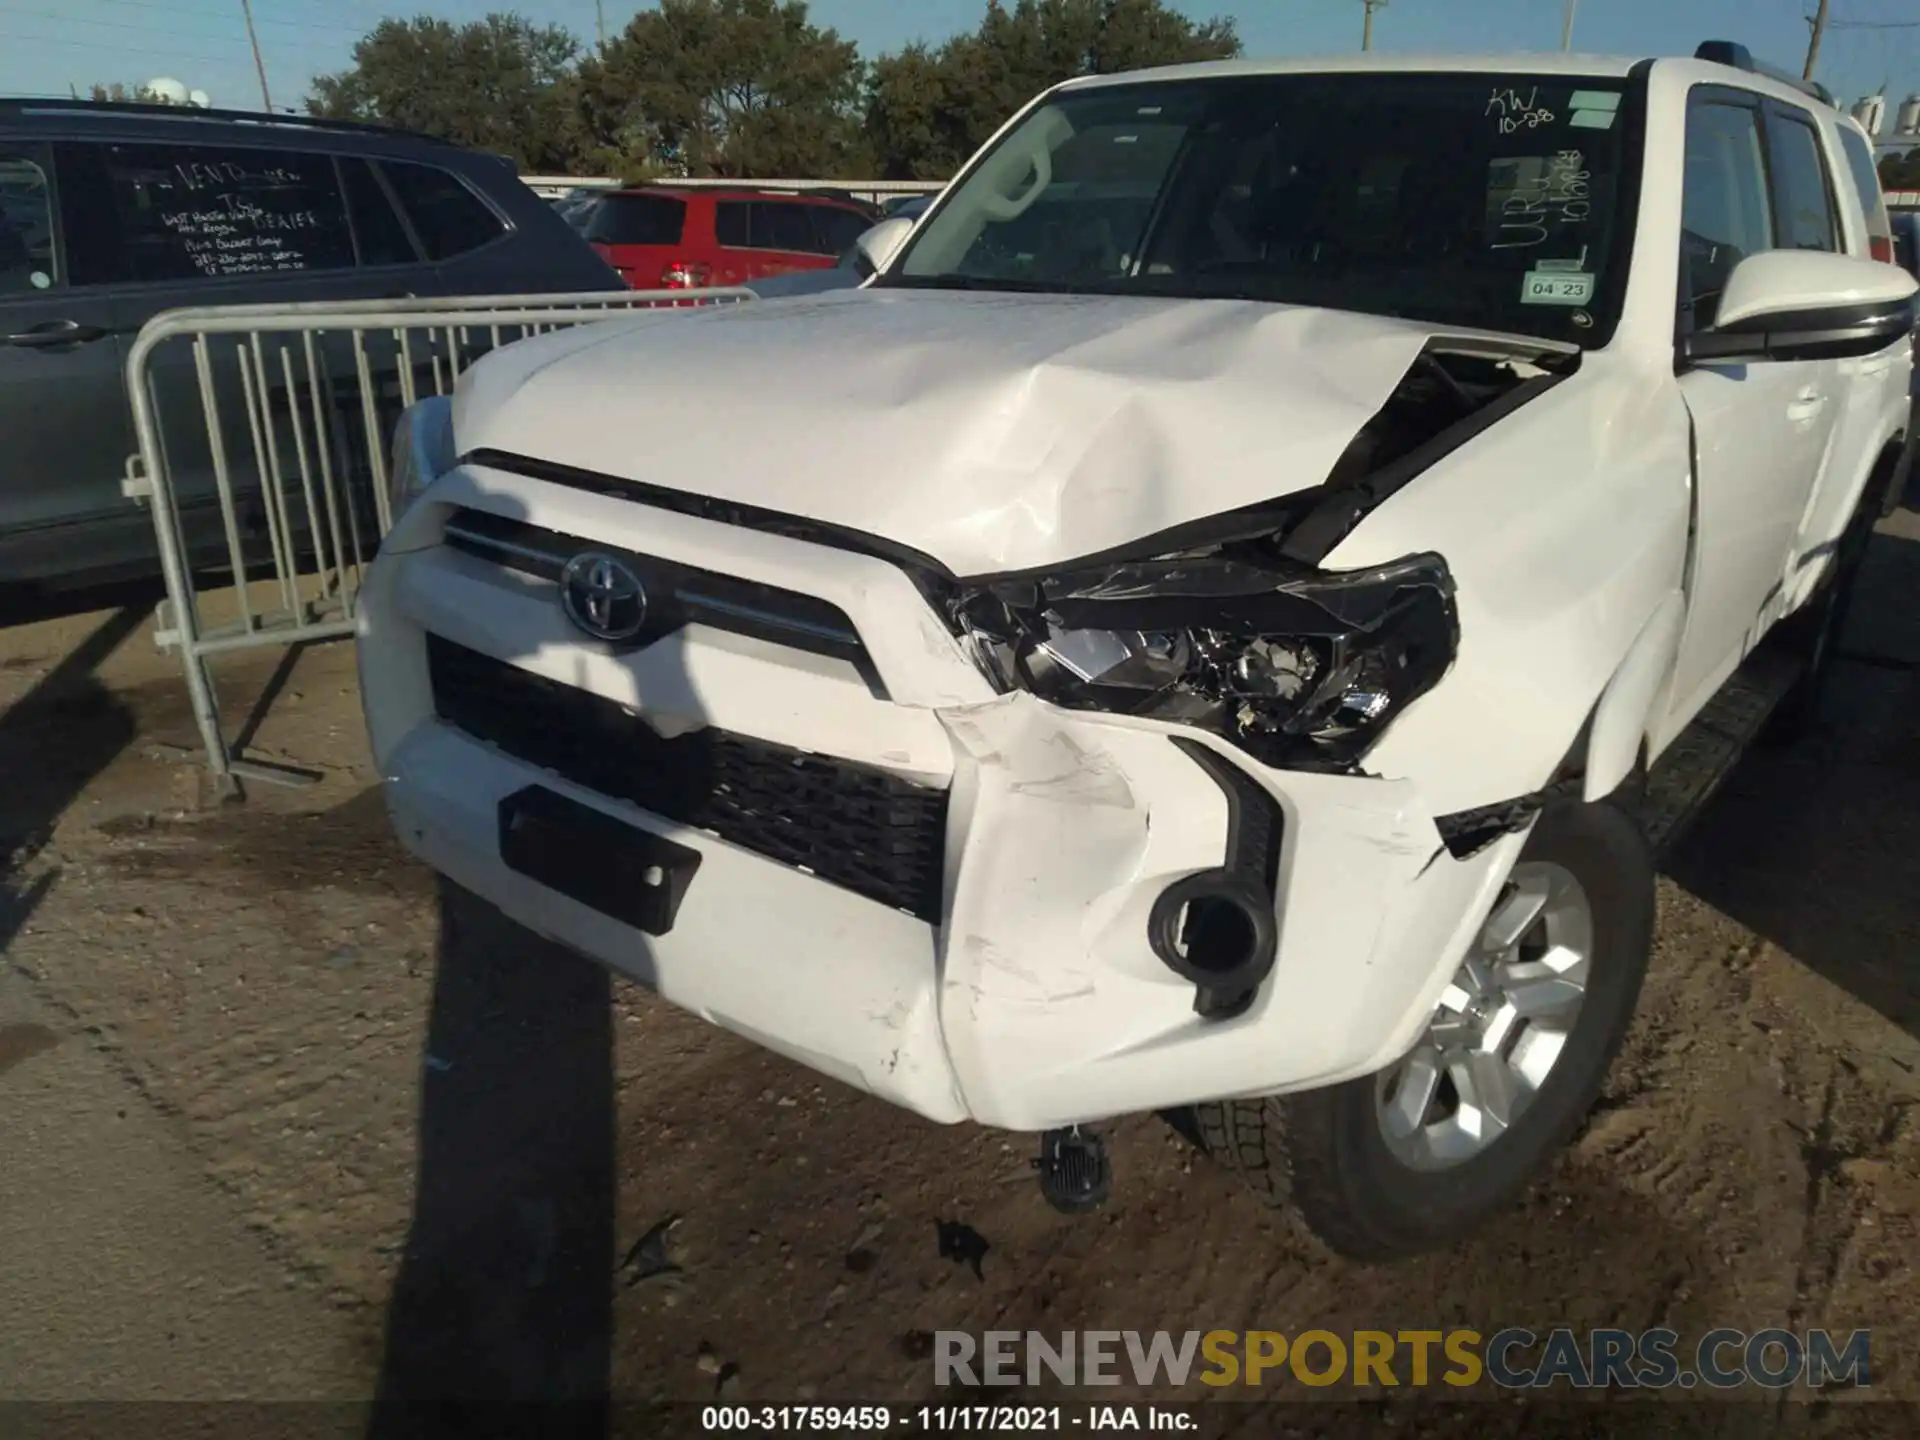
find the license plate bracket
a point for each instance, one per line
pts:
(621, 871)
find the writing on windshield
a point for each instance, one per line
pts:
(1484, 200)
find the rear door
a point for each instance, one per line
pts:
(458, 232)
(770, 237)
(62, 410)
(785, 238)
(735, 261)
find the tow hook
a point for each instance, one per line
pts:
(1075, 1174)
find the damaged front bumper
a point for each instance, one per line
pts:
(1030, 992)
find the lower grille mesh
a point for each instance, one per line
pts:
(851, 825)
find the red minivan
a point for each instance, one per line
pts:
(660, 238)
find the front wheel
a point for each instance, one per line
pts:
(1510, 1063)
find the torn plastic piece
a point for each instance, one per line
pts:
(649, 1256)
(1222, 593)
(1076, 1176)
(1377, 480)
(1229, 912)
(962, 1244)
(1468, 832)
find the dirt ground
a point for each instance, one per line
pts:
(443, 1138)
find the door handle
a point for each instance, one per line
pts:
(55, 333)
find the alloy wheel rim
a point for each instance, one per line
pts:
(1500, 1028)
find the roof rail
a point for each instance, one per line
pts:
(1726, 52)
(22, 105)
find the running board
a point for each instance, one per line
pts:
(1692, 768)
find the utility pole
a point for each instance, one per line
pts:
(1819, 24)
(259, 65)
(600, 23)
(1566, 29)
(1366, 26)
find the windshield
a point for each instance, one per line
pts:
(1491, 201)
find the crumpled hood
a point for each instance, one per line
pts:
(992, 432)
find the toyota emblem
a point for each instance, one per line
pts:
(602, 595)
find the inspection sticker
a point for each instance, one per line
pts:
(1593, 109)
(1547, 286)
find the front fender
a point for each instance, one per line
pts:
(1565, 527)
(1620, 720)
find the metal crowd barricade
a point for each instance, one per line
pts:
(264, 434)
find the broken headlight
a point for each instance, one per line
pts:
(1297, 666)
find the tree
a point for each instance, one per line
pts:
(119, 94)
(928, 110)
(501, 84)
(1900, 172)
(726, 87)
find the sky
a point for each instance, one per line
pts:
(48, 45)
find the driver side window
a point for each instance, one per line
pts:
(1724, 211)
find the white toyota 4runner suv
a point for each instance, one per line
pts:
(1220, 625)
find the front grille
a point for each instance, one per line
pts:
(677, 595)
(851, 825)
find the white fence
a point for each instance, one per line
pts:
(264, 434)
(876, 191)
(552, 187)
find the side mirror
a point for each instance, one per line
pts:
(879, 245)
(1807, 305)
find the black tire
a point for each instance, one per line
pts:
(1812, 634)
(1323, 1152)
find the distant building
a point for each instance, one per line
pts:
(1871, 112)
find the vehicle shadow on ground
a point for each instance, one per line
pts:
(1816, 846)
(504, 1293)
(505, 1289)
(53, 741)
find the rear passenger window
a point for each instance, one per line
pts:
(783, 226)
(376, 227)
(449, 218)
(837, 228)
(1724, 215)
(731, 228)
(26, 226)
(1802, 200)
(190, 212)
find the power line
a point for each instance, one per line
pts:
(102, 24)
(95, 45)
(225, 13)
(148, 29)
